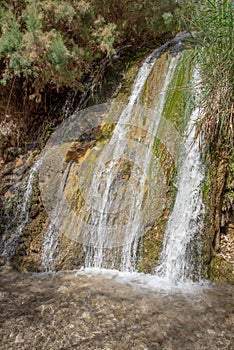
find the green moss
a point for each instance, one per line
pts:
(221, 270)
(206, 183)
(178, 104)
(152, 245)
(79, 201)
(127, 83)
(166, 161)
(48, 132)
(106, 132)
(150, 93)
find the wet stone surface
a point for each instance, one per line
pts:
(69, 311)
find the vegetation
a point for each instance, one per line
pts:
(57, 43)
(55, 54)
(179, 104)
(221, 270)
(211, 23)
(47, 46)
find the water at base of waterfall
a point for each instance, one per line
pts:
(148, 282)
(70, 311)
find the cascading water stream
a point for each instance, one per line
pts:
(101, 202)
(28, 195)
(131, 238)
(186, 220)
(51, 239)
(9, 244)
(100, 235)
(117, 149)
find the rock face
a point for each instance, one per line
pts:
(27, 255)
(27, 242)
(220, 221)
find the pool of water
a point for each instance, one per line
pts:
(107, 310)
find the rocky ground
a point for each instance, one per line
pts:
(69, 311)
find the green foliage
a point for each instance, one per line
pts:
(59, 52)
(105, 35)
(213, 23)
(11, 36)
(52, 43)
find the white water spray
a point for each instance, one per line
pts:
(101, 233)
(186, 220)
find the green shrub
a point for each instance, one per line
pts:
(53, 43)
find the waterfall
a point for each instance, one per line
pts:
(101, 232)
(132, 236)
(111, 196)
(28, 196)
(20, 220)
(186, 220)
(51, 238)
(98, 191)
(111, 217)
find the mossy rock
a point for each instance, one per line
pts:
(152, 245)
(221, 270)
